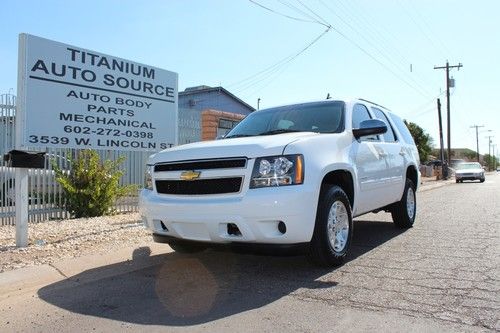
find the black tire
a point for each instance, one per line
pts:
(457, 181)
(321, 250)
(186, 248)
(403, 212)
(482, 180)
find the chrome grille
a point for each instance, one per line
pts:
(199, 186)
(230, 163)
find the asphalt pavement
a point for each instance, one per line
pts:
(442, 275)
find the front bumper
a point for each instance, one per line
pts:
(257, 215)
(469, 176)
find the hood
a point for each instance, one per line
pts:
(250, 147)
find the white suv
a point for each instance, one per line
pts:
(289, 175)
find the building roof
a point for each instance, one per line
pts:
(206, 89)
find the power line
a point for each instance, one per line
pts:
(275, 68)
(301, 12)
(375, 47)
(284, 15)
(422, 18)
(361, 16)
(314, 13)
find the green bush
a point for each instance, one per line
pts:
(91, 187)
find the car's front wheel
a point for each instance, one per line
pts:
(404, 211)
(333, 229)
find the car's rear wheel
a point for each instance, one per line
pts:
(333, 229)
(404, 211)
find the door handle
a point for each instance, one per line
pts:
(402, 153)
(382, 154)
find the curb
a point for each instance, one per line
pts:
(430, 185)
(27, 279)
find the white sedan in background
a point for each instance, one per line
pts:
(469, 171)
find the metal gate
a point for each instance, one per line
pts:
(45, 196)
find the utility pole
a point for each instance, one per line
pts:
(447, 67)
(258, 103)
(489, 150)
(477, 139)
(444, 172)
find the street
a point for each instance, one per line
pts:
(441, 275)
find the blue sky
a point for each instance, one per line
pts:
(381, 50)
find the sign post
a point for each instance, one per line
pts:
(21, 188)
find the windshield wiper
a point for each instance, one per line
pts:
(238, 136)
(279, 131)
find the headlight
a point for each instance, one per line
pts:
(278, 171)
(148, 178)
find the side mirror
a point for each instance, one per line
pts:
(370, 127)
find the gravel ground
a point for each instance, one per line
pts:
(54, 240)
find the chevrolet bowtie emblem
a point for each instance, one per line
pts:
(190, 175)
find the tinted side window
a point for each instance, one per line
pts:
(389, 136)
(402, 129)
(359, 113)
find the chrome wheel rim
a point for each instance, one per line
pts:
(338, 226)
(410, 203)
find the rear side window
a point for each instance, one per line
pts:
(389, 136)
(359, 113)
(402, 129)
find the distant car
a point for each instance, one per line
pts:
(469, 171)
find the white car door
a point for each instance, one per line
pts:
(370, 159)
(396, 156)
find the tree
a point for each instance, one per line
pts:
(422, 140)
(491, 161)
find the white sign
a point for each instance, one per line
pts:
(69, 97)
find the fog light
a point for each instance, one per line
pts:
(282, 227)
(232, 229)
(163, 226)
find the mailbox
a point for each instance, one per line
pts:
(25, 159)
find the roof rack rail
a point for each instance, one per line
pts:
(365, 100)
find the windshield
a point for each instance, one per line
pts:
(321, 117)
(463, 166)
